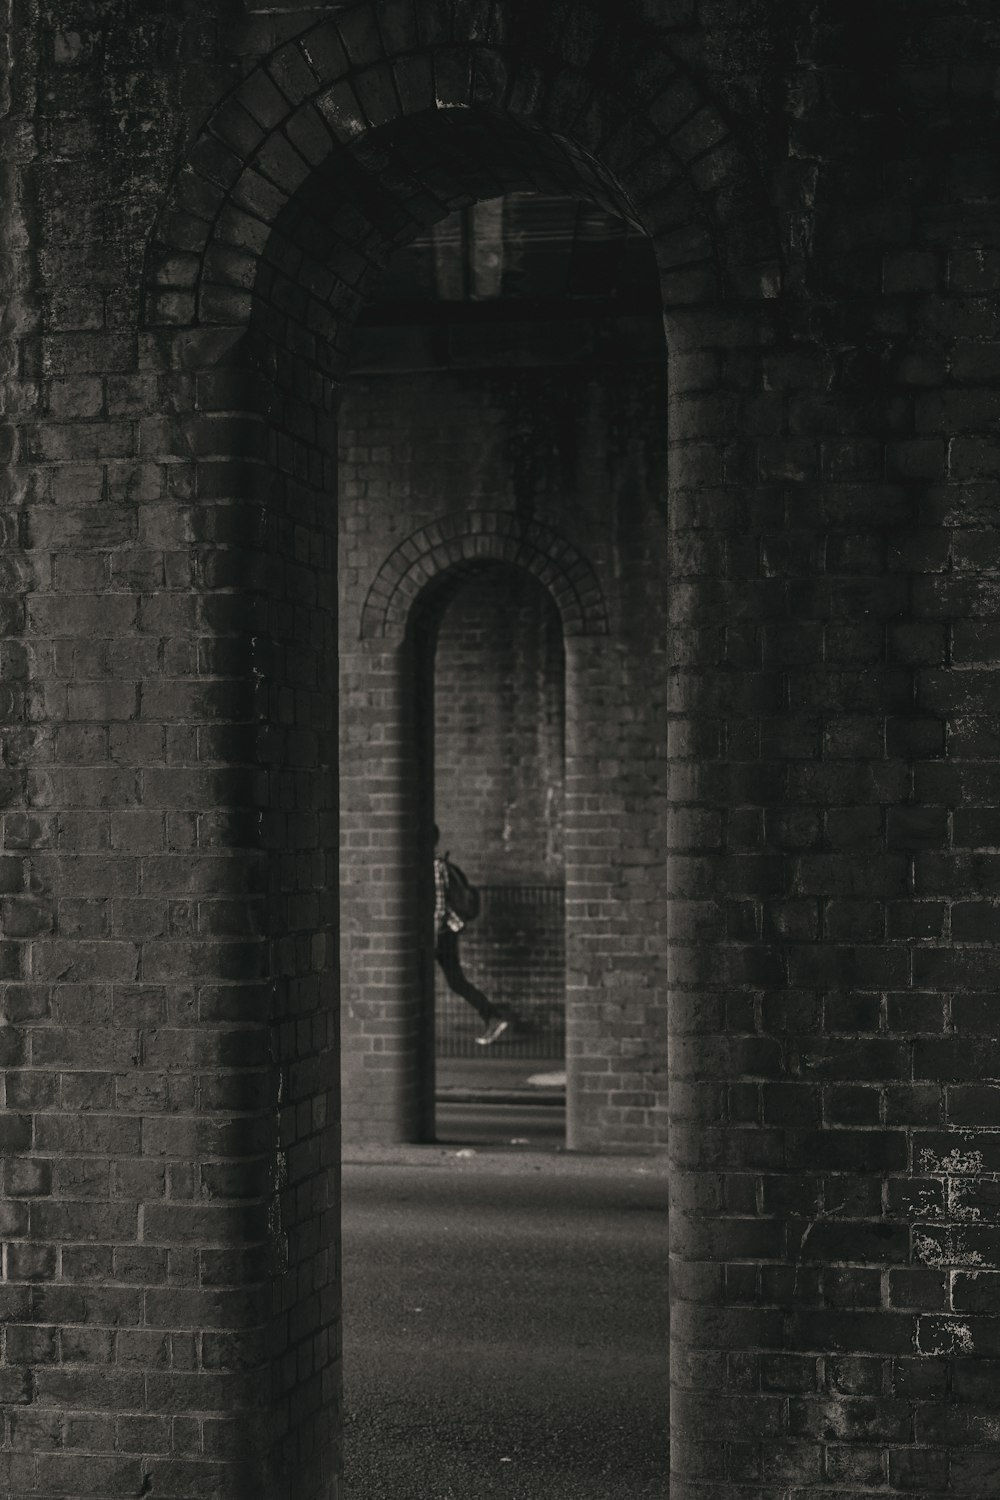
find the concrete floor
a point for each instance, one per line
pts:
(506, 1322)
(488, 1076)
(538, 1127)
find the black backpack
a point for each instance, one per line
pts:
(460, 894)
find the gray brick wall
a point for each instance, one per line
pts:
(820, 190)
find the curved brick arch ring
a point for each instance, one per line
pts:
(454, 544)
(343, 83)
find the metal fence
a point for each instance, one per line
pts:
(515, 951)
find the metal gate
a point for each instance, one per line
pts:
(515, 951)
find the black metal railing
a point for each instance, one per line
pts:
(515, 951)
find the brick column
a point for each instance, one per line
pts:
(171, 1262)
(292, 583)
(387, 1018)
(615, 834)
(806, 802)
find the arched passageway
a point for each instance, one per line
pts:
(362, 132)
(386, 778)
(553, 465)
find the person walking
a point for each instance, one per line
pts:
(447, 926)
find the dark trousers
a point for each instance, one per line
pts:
(447, 955)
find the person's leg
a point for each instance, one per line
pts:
(447, 955)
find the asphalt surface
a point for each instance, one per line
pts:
(537, 1127)
(505, 1321)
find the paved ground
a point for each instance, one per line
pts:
(506, 1320)
(486, 1074)
(536, 1127)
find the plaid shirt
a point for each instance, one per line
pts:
(444, 917)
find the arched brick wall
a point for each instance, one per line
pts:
(476, 537)
(387, 776)
(168, 941)
(283, 304)
(330, 151)
(332, 100)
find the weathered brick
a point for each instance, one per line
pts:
(832, 512)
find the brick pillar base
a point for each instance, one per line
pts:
(387, 912)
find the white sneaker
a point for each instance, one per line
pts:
(493, 1032)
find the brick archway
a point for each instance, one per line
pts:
(170, 899)
(645, 137)
(459, 541)
(331, 152)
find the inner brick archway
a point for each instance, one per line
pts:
(386, 815)
(474, 537)
(586, 105)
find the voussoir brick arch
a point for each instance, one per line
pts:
(635, 127)
(454, 546)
